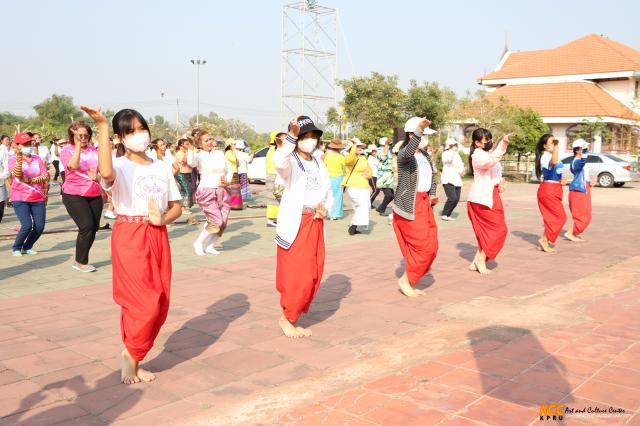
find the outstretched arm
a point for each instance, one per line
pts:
(105, 162)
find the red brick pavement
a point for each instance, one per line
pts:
(543, 328)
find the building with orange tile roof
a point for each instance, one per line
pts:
(591, 78)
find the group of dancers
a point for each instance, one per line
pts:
(146, 199)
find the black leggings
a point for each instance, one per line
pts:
(388, 197)
(56, 165)
(2, 204)
(85, 212)
(453, 197)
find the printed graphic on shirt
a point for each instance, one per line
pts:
(146, 187)
(313, 178)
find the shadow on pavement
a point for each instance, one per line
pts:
(240, 240)
(20, 266)
(235, 225)
(328, 300)
(466, 251)
(236, 306)
(515, 367)
(527, 236)
(130, 396)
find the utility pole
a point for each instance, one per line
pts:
(197, 63)
(177, 119)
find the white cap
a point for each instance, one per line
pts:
(372, 148)
(358, 142)
(450, 142)
(580, 143)
(239, 144)
(412, 124)
(383, 140)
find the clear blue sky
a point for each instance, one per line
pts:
(126, 53)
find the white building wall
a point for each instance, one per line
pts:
(559, 131)
(621, 90)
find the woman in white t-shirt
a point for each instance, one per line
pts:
(146, 199)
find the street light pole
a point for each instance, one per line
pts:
(197, 63)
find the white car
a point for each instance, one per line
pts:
(606, 170)
(258, 167)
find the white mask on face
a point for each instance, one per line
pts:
(137, 142)
(308, 145)
(423, 144)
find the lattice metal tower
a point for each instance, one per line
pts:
(309, 60)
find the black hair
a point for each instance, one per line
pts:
(30, 134)
(120, 150)
(4, 136)
(123, 122)
(539, 151)
(575, 150)
(477, 136)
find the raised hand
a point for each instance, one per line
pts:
(155, 216)
(95, 114)
(505, 139)
(423, 124)
(294, 128)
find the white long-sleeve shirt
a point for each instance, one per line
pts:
(212, 166)
(452, 166)
(486, 174)
(298, 180)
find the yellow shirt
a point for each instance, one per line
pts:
(335, 163)
(361, 170)
(232, 161)
(271, 168)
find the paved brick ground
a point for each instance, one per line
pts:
(543, 329)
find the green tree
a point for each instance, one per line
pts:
(587, 130)
(528, 128)
(161, 129)
(58, 110)
(431, 101)
(373, 104)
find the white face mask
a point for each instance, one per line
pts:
(308, 145)
(423, 144)
(137, 142)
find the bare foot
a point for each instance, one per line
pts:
(405, 287)
(289, 329)
(569, 235)
(420, 292)
(544, 246)
(306, 331)
(129, 366)
(145, 376)
(580, 239)
(473, 266)
(482, 268)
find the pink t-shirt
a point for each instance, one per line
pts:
(31, 167)
(78, 182)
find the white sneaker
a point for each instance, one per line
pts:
(445, 218)
(198, 249)
(452, 218)
(109, 214)
(271, 223)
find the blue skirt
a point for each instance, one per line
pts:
(336, 189)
